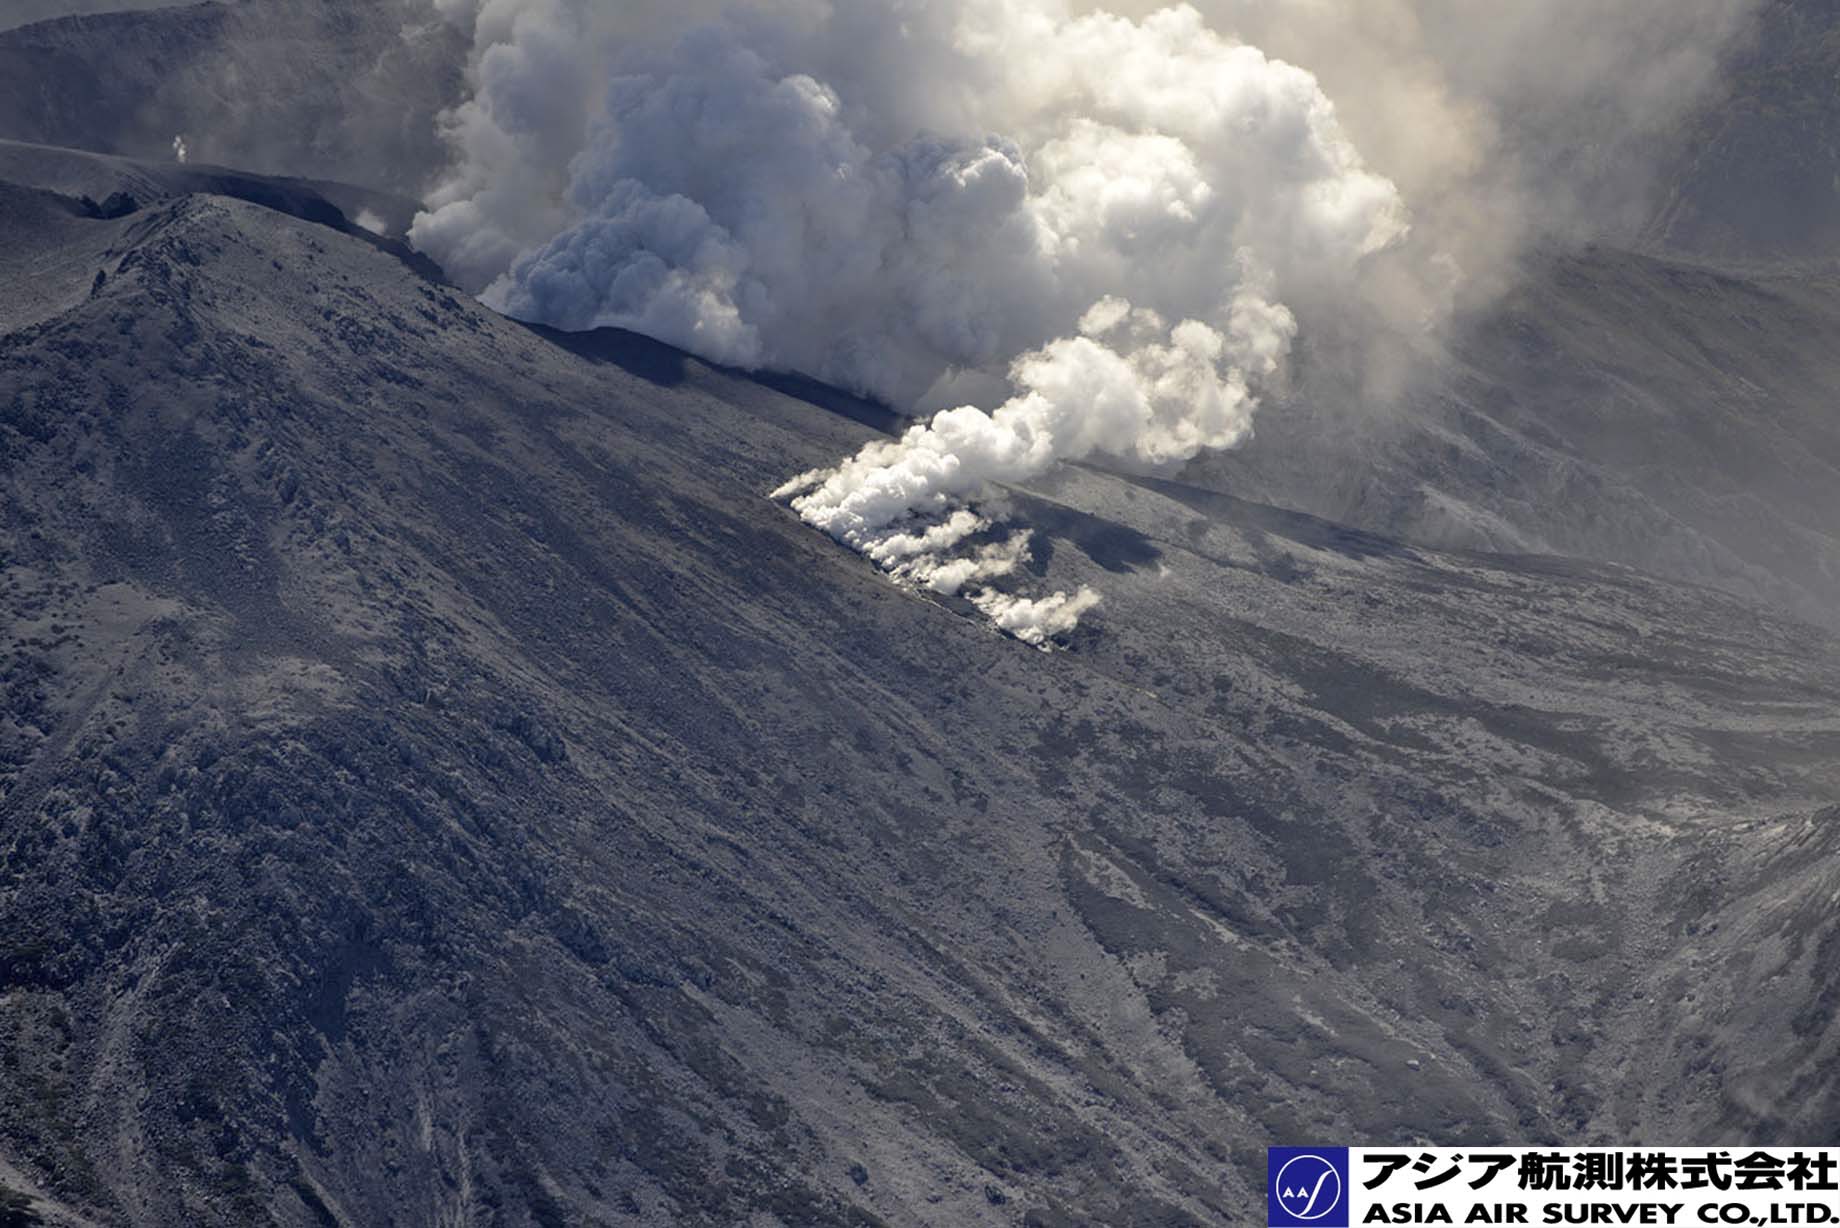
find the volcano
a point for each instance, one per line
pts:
(439, 786)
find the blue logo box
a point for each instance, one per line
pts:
(1307, 1187)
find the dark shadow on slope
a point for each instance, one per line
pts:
(872, 414)
(634, 353)
(1298, 527)
(283, 196)
(114, 205)
(114, 187)
(661, 363)
(1117, 548)
(308, 201)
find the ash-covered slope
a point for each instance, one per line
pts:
(133, 182)
(330, 89)
(1631, 409)
(1615, 406)
(1671, 409)
(25, 12)
(437, 786)
(1757, 174)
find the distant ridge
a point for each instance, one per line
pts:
(328, 89)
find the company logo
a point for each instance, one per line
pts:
(1307, 1187)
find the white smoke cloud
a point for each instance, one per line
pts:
(1061, 233)
(1036, 620)
(179, 149)
(729, 200)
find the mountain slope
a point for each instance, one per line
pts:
(327, 89)
(1757, 175)
(437, 786)
(78, 173)
(1614, 406)
(25, 12)
(1632, 409)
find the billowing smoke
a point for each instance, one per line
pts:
(1127, 385)
(1053, 233)
(180, 152)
